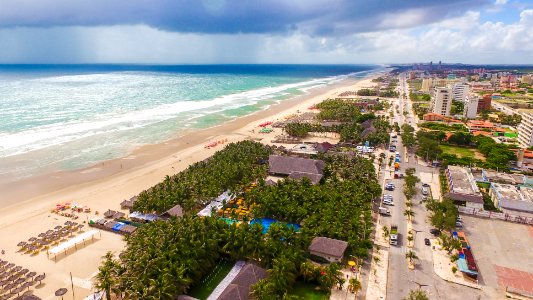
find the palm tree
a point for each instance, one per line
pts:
(106, 277)
(409, 214)
(411, 255)
(386, 232)
(410, 238)
(354, 285)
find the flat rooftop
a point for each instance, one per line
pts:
(512, 197)
(462, 181)
(498, 177)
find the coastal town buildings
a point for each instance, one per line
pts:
(525, 130)
(462, 187)
(460, 91)
(441, 101)
(471, 103)
(484, 103)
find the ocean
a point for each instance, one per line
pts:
(63, 117)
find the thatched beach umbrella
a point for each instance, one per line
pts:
(61, 292)
(24, 271)
(31, 274)
(17, 268)
(20, 281)
(40, 278)
(50, 231)
(32, 239)
(22, 244)
(58, 227)
(42, 234)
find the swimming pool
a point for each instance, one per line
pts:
(267, 222)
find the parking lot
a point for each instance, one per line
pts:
(503, 254)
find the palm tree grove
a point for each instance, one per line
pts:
(167, 258)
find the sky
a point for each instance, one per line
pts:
(266, 31)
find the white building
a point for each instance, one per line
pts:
(427, 84)
(470, 108)
(441, 101)
(460, 91)
(525, 130)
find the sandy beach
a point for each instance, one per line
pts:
(26, 204)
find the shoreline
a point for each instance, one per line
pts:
(27, 204)
(47, 182)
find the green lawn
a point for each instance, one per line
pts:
(308, 291)
(209, 283)
(459, 151)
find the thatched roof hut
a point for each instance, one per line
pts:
(176, 211)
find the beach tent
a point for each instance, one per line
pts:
(63, 247)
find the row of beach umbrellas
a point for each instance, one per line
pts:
(14, 279)
(34, 244)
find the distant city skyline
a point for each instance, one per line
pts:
(266, 31)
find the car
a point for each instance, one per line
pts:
(424, 197)
(427, 242)
(388, 202)
(434, 231)
(458, 224)
(425, 191)
(394, 141)
(425, 185)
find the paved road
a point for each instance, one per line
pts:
(400, 279)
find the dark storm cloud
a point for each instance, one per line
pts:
(314, 17)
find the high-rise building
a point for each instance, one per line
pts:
(427, 84)
(441, 101)
(526, 79)
(484, 103)
(525, 131)
(460, 91)
(471, 105)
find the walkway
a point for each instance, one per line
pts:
(227, 280)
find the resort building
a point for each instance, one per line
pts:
(525, 130)
(240, 286)
(441, 101)
(462, 187)
(331, 250)
(471, 102)
(176, 212)
(296, 167)
(512, 199)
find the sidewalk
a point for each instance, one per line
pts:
(377, 280)
(443, 267)
(337, 294)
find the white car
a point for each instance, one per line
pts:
(388, 202)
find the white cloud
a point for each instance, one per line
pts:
(461, 39)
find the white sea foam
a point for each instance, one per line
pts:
(41, 137)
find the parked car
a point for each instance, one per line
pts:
(425, 185)
(425, 191)
(427, 242)
(388, 202)
(458, 224)
(434, 231)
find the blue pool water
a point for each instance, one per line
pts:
(267, 222)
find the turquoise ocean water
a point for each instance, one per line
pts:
(58, 117)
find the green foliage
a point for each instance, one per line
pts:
(367, 92)
(443, 214)
(512, 120)
(237, 164)
(457, 108)
(428, 148)
(338, 110)
(417, 295)
(339, 208)
(408, 137)
(498, 155)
